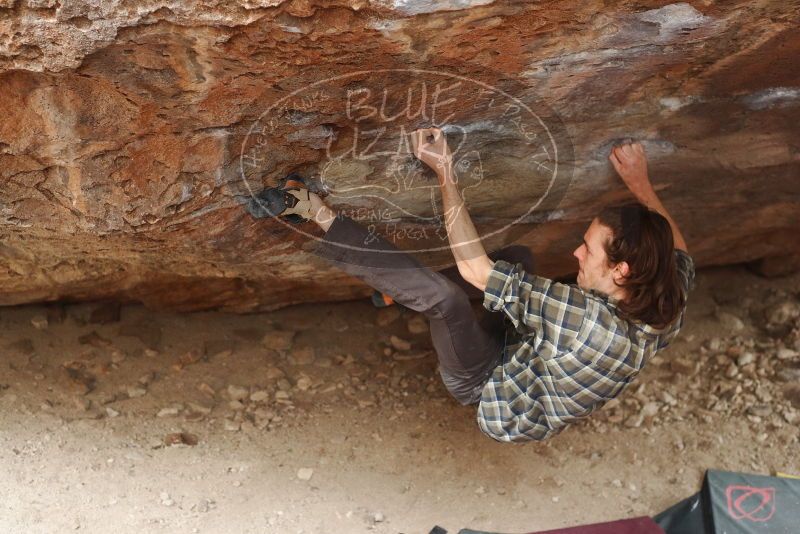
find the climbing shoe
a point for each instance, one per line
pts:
(381, 300)
(289, 199)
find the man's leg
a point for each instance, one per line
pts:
(492, 321)
(467, 353)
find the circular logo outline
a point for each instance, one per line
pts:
(351, 74)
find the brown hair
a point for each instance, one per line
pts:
(643, 238)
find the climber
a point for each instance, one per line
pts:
(573, 346)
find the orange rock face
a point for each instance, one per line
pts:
(130, 137)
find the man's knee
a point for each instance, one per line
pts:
(462, 389)
(451, 300)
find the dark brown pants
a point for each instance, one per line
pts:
(468, 347)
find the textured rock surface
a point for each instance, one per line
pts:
(123, 126)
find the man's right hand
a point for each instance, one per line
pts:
(630, 162)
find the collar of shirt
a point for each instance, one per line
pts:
(613, 303)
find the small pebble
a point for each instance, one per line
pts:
(278, 339)
(650, 409)
(206, 390)
(417, 324)
(745, 358)
(166, 500)
(259, 396)
(399, 343)
(303, 383)
(731, 371)
(237, 393)
(203, 506)
(39, 322)
(729, 321)
(232, 426)
(147, 378)
(303, 355)
(134, 392)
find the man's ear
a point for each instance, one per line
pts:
(621, 271)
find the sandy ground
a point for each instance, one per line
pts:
(340, 432)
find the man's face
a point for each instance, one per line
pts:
(594, 271)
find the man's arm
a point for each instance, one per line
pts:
(630, 162)
(471, 259)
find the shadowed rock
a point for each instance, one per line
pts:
(130, 139)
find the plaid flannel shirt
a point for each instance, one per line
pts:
(573, 353)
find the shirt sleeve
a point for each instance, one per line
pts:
(535, 304)
(685, 265)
